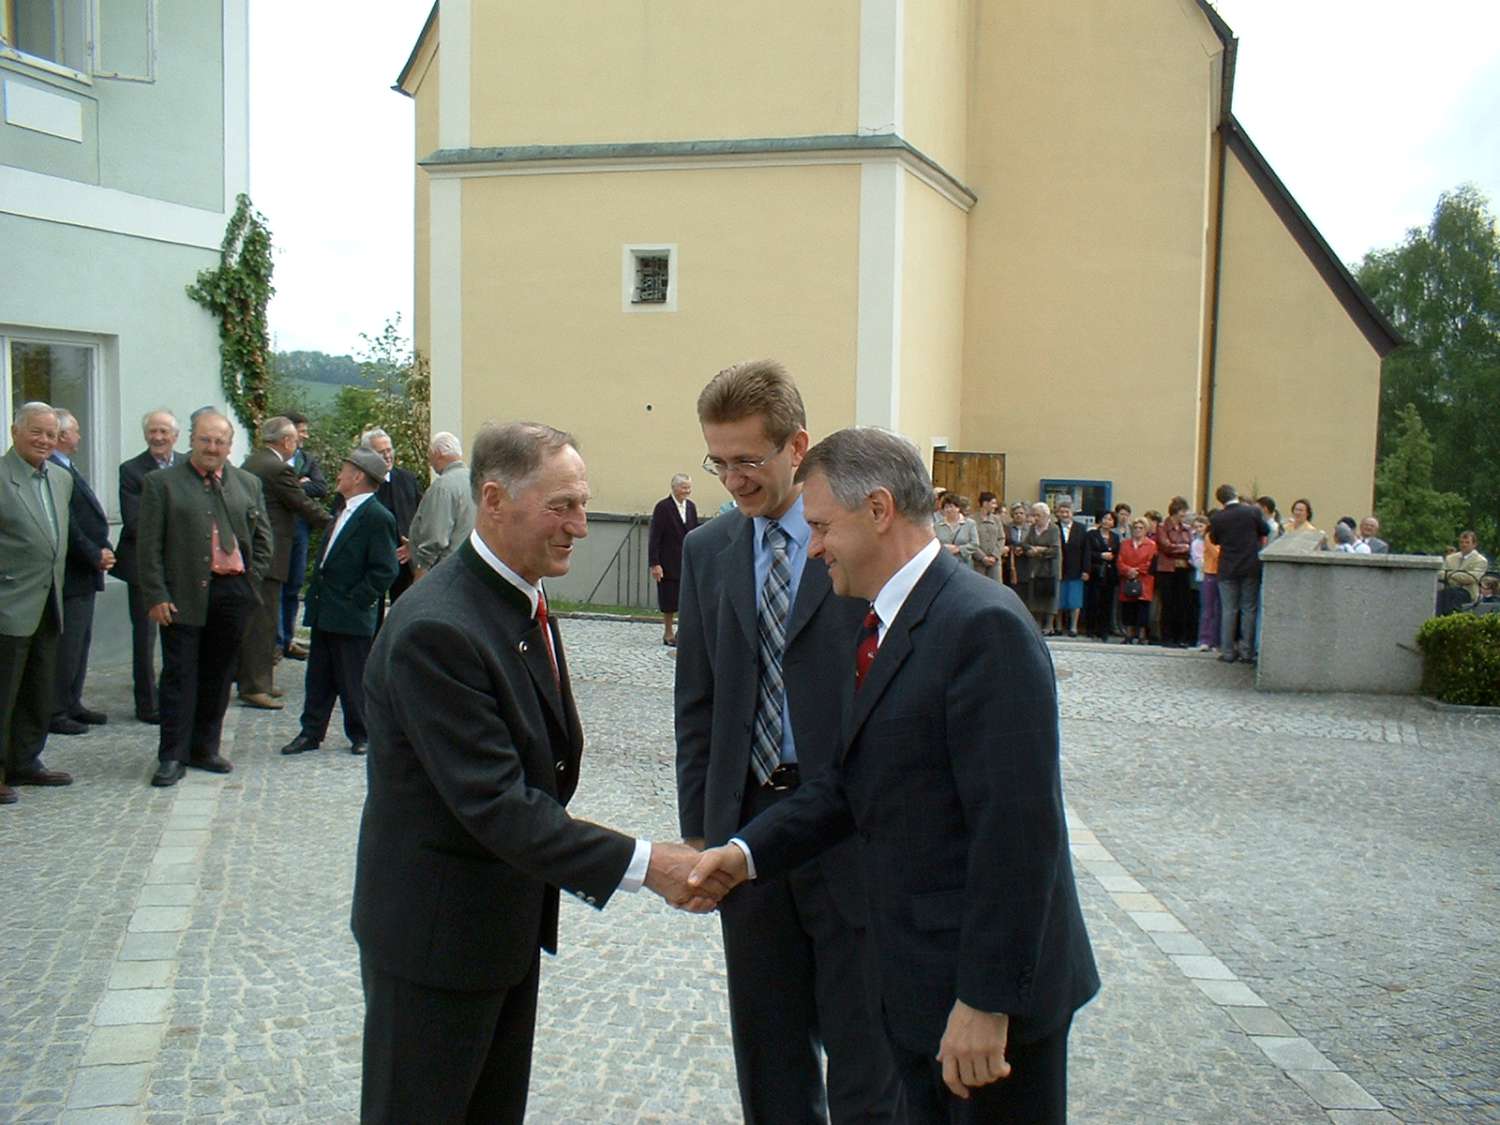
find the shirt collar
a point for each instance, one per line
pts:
(61, 458)
(217, 474)
(353, 502)
(791, 521)
(482, 549)
(898, 587)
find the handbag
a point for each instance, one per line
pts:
(1133, 587)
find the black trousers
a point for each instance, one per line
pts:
(28, 675)
(799, 977)
(1174, 591)
(403, 583)
(444, 1057)
(198, 666)
(336, 670)
(1036, 1093)
(73, 654)
(143, 636)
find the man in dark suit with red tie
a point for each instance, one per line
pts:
(671, 520)
(949, 785)
(465, 840)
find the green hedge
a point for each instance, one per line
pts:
(1461, 659)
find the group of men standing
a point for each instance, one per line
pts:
(868, 777)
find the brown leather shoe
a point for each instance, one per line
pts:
(296, 651)
(262, 700)
(276, 692)
(39, 776)
(8, 796)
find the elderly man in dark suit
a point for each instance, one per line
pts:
(761, 650)
(161, 432)
(89, 559)
(465, 839)
(33, 556)
(674, 516)
(401, 493)
(949, 781)
(356, 565)
(205, 545)
(315, 485)
(285, 503)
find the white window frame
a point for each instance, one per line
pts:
(37, 62)
(632, 251)
(98, 36)
(94, 435)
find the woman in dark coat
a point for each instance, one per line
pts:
(1103, 550)
(673, 517)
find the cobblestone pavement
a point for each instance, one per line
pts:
(1292, 899)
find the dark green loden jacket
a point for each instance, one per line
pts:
(349, 583)
(176, 528)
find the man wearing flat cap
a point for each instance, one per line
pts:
(356, 565)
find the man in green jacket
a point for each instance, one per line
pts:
(356, 565)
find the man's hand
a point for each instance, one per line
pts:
(667, 875)
(694, 842)
(106, 559)
(403, 552)
(972, 1050)
(723, 867)
(162, 613)
(656, 573)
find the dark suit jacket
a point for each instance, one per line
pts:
(718, 677)
(285, 501)
(132, 481)
(665, 536)
(176, 530)
(465, 838)
(1238, 530)
(1075, 551)
(88, 536)
(348, 584)
(306, 465)
(950, 783)
(400, 495)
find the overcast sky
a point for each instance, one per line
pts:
(1368, 109)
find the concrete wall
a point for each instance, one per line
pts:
(1337, 622)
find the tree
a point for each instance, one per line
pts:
(1441, 290)
(1414, 516)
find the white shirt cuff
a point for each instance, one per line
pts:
(749, 859)
(635, 874)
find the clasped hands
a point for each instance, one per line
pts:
(695, 880)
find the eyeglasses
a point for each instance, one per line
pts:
(742, 466)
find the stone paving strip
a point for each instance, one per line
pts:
(1346, 1101)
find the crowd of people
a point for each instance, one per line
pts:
(215, 558)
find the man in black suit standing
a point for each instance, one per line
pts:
(285, 504)
(1240, 530)
(465, 839)
(761, 653)
(89, 559)
(671, 520)
(950, 783)
(401, 493)
(315, 485)
(161, 432)
(356, 565)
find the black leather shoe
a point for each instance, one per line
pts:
(152, 717)
(357, 749)
(213, 763)
(8, 796)
(39, 776)
(167, 773)
(299, 745)
(65, 725)
(91, 717)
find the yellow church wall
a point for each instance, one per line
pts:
(426, 133)
(1297, 391)
(1089, 149)
(767, 266)
(581, 72)
(932, 318)
(936, 80)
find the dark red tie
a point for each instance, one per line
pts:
(541, 619)
(869, 642)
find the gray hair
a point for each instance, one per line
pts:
(680, 478)
(28, 410)
(858, 461)
(445, 444)
(150, 414)
(371, 434)
(209, 412)
(511, 454)
(65, 418)
(1343, 533)
(277, 429)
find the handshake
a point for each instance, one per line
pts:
(695, 880)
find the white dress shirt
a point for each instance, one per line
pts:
(351, 505)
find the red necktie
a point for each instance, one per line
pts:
(869, 642)
(541, 619)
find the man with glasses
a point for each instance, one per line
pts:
(763, 672)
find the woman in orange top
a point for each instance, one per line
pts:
(1206, 553)
(1136, 555)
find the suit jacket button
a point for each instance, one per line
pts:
(521, 648)
(562, 767)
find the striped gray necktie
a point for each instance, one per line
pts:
(775, 600)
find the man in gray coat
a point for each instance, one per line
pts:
(33, 555)
(446, 514)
